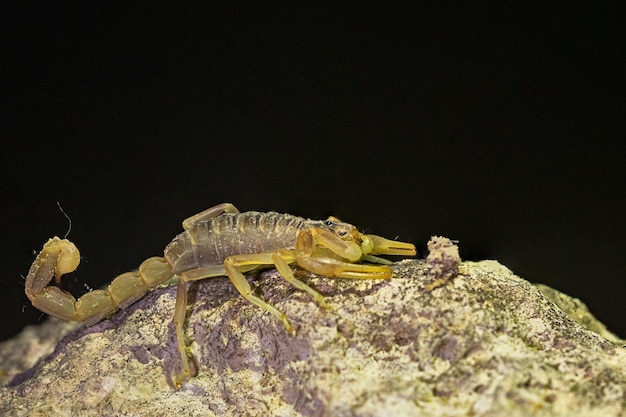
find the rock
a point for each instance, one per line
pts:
(483, 343)
(443, 261)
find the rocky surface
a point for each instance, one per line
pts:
(483, 343)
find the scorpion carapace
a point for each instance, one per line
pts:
(219, 241)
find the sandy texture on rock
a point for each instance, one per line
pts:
(486, 343)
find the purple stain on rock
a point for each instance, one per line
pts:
(142, 354)
(447, 349)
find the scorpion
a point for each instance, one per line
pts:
(219, 241)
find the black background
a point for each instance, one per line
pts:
(502, 127)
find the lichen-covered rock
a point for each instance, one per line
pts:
(443, 261)
(577, 310)
(486, 343)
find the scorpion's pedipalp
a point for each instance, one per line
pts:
(331, 267)
(382, 246)
(346, 249)
(376, 260)
(319, 252)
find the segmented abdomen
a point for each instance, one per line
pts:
(211, 241)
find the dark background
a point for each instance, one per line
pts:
(500, 127)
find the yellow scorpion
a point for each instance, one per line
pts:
(219, 241)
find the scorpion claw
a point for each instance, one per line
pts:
(382, 246)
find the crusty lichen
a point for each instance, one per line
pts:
(576, 310)
(443, 261)
(487, 343)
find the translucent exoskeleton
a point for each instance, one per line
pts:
(219, 241)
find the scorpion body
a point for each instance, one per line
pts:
(219, 241)
(211, 241)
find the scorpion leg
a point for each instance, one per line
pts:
(209, 213)
(181, 292)
(233, 267)
(179, 321)
(282, 259)
(232, 264)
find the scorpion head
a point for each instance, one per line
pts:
(368, 244)
(344, 230)
(334, 248)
